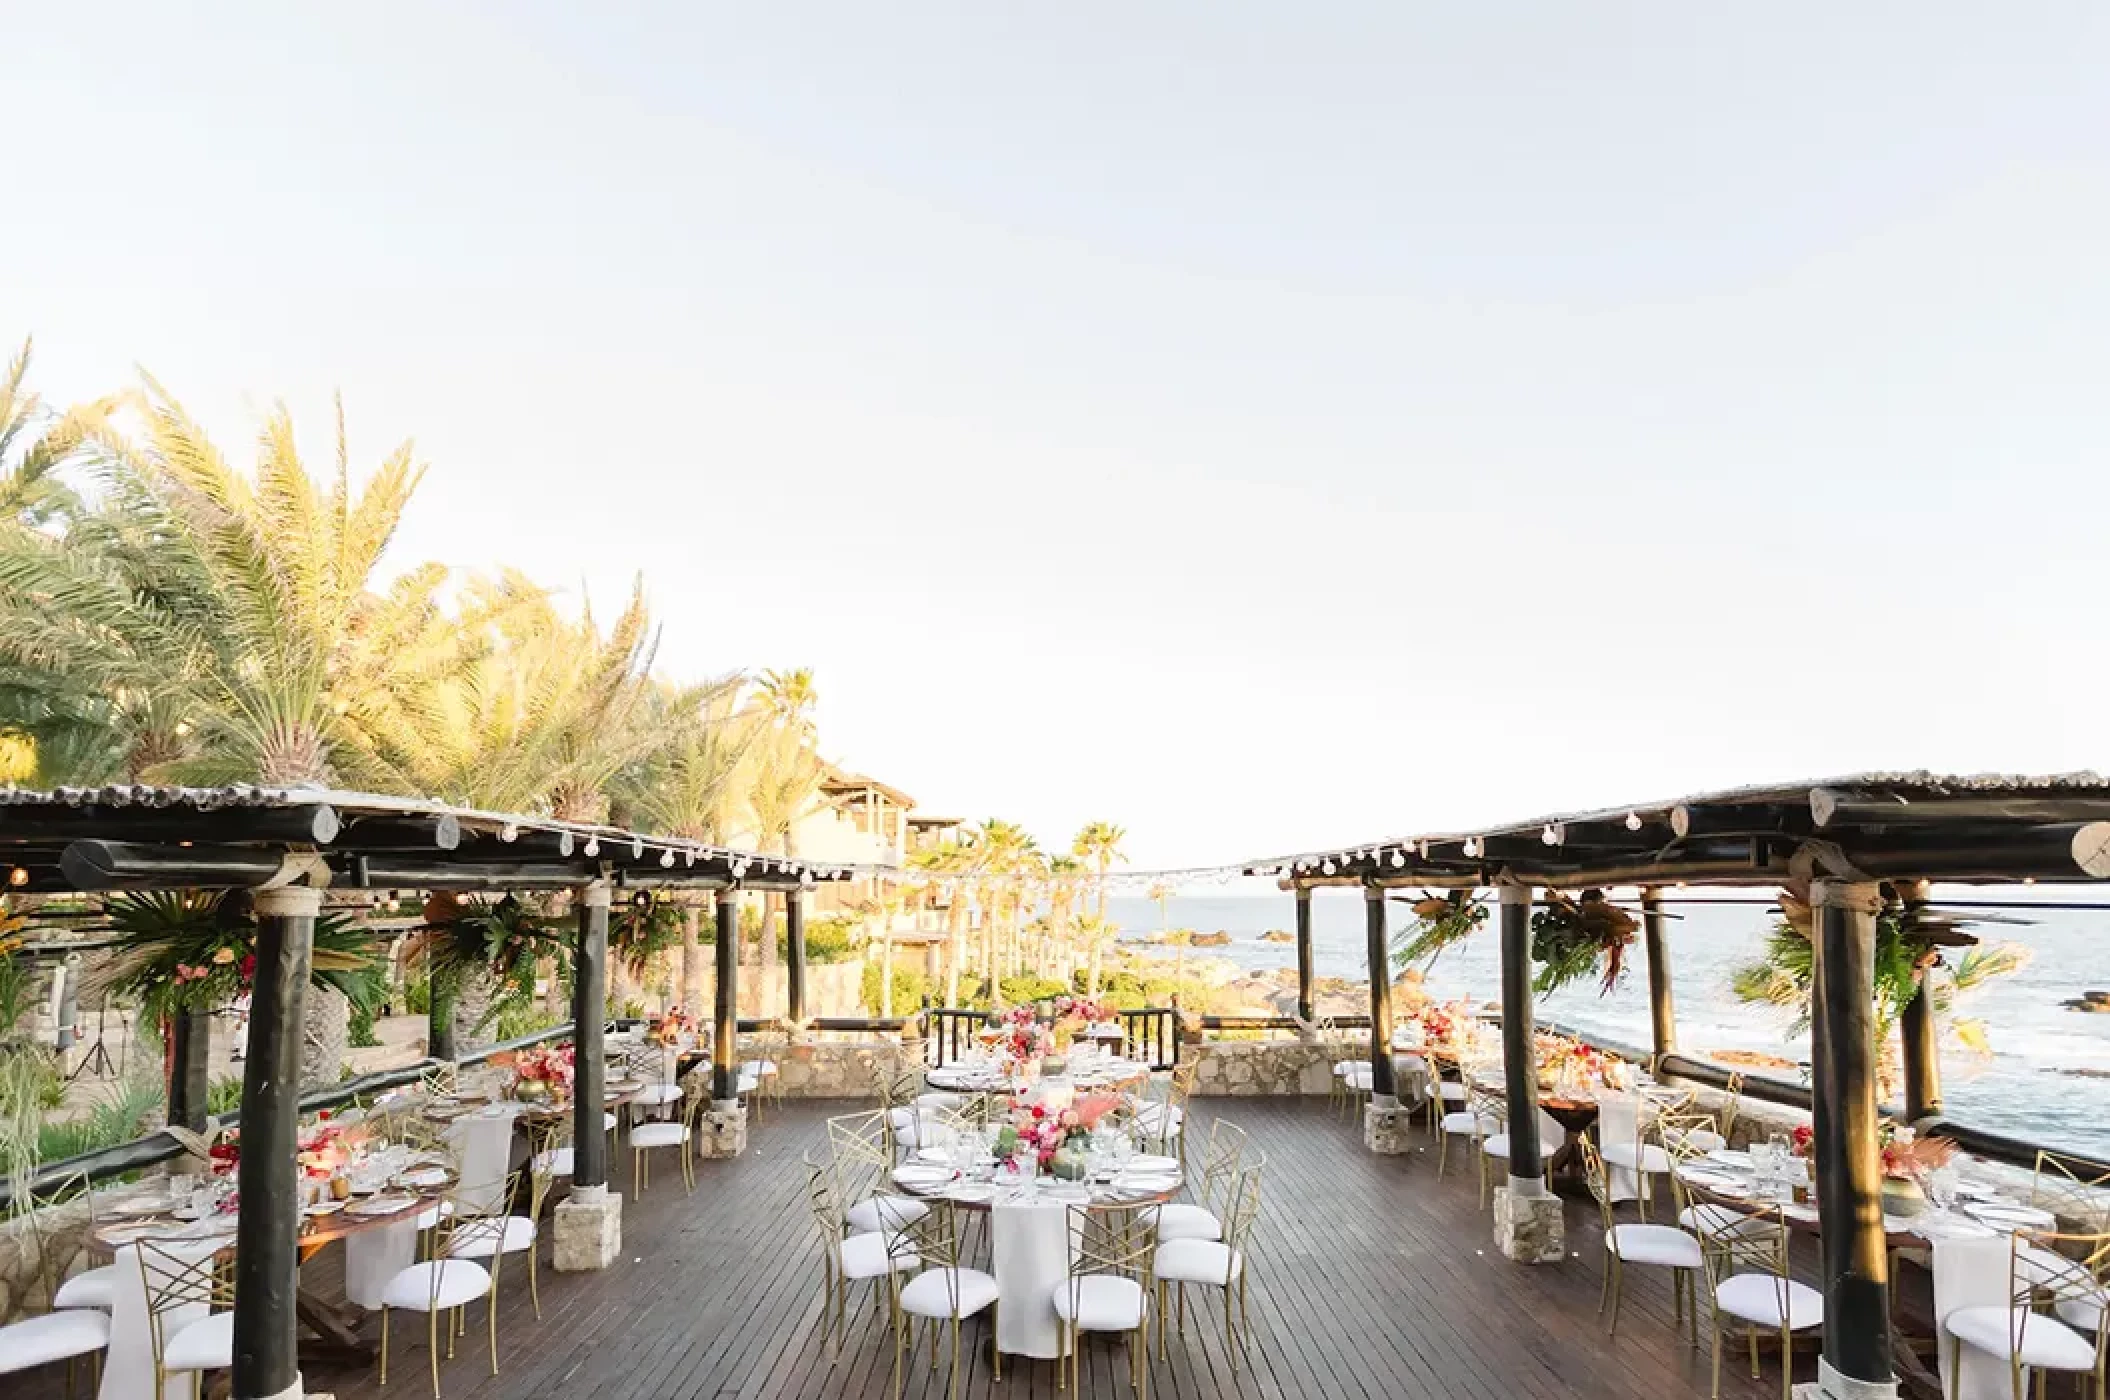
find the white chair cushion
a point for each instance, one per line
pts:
(480, 1239)
(459, 1282)
(1495, 1144)
(1655, 1244)
(748, 1083)
(1101, 1303)
(938, 1098)
(1197, 1261)
(1757, 1297)
(1467, 1123)
(52, 1337)
(1452, 1091)
(866, 1256)
(932, 1293)
(555, 1162)
(659, 1135)
(901, 1117)
(431, 1217)
(2046, 1341)
(886, 1212)
(1652, 1158)
(1703, 1140)
(1356, 1076)
(1181, 1221)
(205, 1345)
(1410, 1064)
(608, 1122)
(1341, 1067)
(760, 1069)
(653, 1095)
(97, 1288)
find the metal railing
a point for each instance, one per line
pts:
(158, 1146)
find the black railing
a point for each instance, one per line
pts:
(950, 1033)
(157, 1146)
(1151, 1034)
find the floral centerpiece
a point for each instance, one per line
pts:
(1907, 1161)
(1044, 1130)
(1570, 1066)
(1074, 1015)
(1439, 1024)
(541, 1073)
(326, 1150)
(1576, 938)
(1021, 1039)
(667, 1028)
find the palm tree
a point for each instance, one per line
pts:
(784, 783)
(1100, 843)
(789, 699)
(1063, 872)
(691, 787)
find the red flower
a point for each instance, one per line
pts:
(1039, 1112)
(248, 968)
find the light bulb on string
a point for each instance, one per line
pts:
(1399, 860)
(1633, 821)
(593, 848)
(1326, 869)
(666, 859)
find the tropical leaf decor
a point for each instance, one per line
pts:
(503, 938)
(1439, 921)
(1909, 948)
(1575, 938)
(181, 951)
(641, 932)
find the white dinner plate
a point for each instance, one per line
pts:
(425, 1176)
(925, 1177)
(1730, 1157)
(382, 1205)
(2011, 1217)
(1144, 1165)
(972, 1192)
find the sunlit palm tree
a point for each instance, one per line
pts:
(783, 789)
(1100, 843)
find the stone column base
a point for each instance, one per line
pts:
(1832, 1385)
(1385, 1127)
(588, 1226)
(1528, 1227)
(722, 1132)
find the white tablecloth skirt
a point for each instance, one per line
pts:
(128, 1369)
(1032, 1257)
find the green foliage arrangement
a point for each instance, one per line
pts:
(1439, 921)
(118, 1118)
(1576, 938)
(641, 932)
(194, 950)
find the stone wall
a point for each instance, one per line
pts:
(1259, 1068)
(64, 1230)
(821, 1068)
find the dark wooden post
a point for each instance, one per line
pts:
(589, 1015)
(1922, 1042)
(190, 1078)
(267, 1230)
(1304, 955)
(794, 957)
(1384, 1090)
(725, 1053)
(1662, 1010)
(1520, 1068)
(1844, 1155)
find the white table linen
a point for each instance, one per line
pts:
(1031, 1246)
(1970, 1271)
(128, 1368)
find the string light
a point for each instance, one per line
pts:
(1472, 848)
(593, 847)
(666, 859)
(18, 877)
(1551, 835)
(1633, 821)
(1399, 860)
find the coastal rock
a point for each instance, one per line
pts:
(1218, 939)
(2089, 1001)
(1276, 935)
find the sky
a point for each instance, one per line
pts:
(1262, 426)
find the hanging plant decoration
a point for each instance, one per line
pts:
(648, 927)
(1574, 938)
(1908, 952)
(503, 939)
(181, 951)
(1439, 921)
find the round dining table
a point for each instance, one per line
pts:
(1029, 1236)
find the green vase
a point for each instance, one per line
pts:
(1902, 1197)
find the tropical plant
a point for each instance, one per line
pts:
(1100, 844)
(180, 951)
(644, 930)
(1906, 961)
(1439, 921)
(783, 788)
(118, 1117)
(1576, 938)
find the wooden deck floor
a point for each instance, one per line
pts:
(1371, 1278)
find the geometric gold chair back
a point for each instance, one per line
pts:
(861, 1147)
(546, 1136)
(2048, 1270)
(1599, 1182)
(441, 1080)
(1182, 1080)
(1753, 1241)
(1732, 1106)
(1119, 1241)
(2072, 1191)
(1487, 1107)
(180, 1279)
(1242, 1211)
(474, 1210)
(1684, 1137)
(1227, 1144)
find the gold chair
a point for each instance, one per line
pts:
(1481, 1116)
(73, 1326)
(1663, 1246)
(2054, 1317)
(179, 1281)
(942, 1291)
(1200, 1219)
(1162, 1117)
(1214, 1264)
(447, 1283)
(645, 1138)
(847, 1258)
(861, 1151)
(2071, 1192)
(1746, 1261)
(1108, 1287)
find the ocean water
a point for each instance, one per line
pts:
(2047, 1077)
